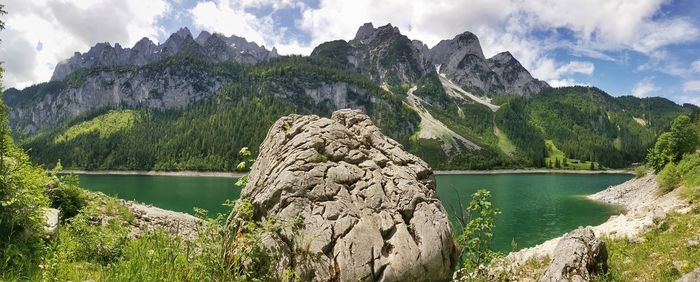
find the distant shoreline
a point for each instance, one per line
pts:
(437, 172)
(533, 171)
(157, 173)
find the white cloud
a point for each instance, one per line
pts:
(64, 27)
(690, 99)
(691, 86)
(233, 17)
(598, 26)
(695, 66)
(644, 88)
(562, 82)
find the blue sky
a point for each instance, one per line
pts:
(625, 47)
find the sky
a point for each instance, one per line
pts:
(643, 48)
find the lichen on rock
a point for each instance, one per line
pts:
(369, 209)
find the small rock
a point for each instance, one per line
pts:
(692, 243)
(51, 216)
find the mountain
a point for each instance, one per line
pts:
(382, 54)
(214, 47)
(202, 100)
(462, 60)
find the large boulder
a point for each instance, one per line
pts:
(369, 209)
(579, 256)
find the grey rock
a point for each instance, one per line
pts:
(693, 276)
(579, 256)
(462, 60)
(173, 88)
(148, 219)
(370, 211)
(514, 77)
(51, 216)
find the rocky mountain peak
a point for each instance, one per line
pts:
(183, 33)
(144, 43)
(365, 32)
(503, 57)
(462, 60)
(462, 45)
(202, 37)
(212, 47)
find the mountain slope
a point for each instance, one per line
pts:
(198, 104)
(208, 134)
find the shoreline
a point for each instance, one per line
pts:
(192, 173)
(533, 171)
(188, 173)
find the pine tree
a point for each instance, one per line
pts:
(592, 166)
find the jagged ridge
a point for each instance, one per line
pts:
(212, 47)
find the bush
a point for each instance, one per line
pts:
(67, 197)
(668, 178)
(640, 171)
(689, 170)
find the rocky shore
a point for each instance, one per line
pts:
(149, 218)
(643, 207)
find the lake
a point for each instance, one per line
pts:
(534, 207)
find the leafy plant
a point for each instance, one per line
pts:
(478, 231)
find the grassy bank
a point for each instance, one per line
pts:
(663, 253)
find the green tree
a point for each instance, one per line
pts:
(592, 166)
(557, 164)
(670, 146)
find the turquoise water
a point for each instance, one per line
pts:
(535, 207)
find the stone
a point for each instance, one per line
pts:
(370, 211)
(579, 256)
(51, 217)
(691, 277)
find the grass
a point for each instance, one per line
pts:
(553, 154)
(663, 255)
(104, 125)
(503, 142)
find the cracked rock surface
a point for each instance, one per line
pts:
(579, 256)
(370, 211)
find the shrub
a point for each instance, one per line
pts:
(668, 178)
(640, 171)
(689, 170)
(67, 196)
